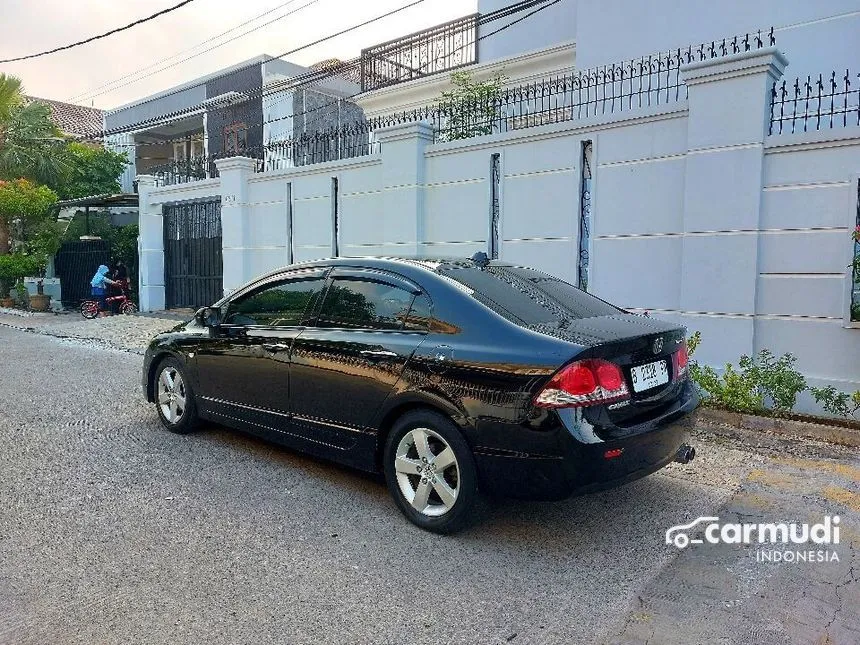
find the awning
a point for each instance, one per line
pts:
(121, 200)
(107, 200)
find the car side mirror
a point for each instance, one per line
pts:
(208, 316)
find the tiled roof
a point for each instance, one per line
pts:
(352, 74)
(74, 119)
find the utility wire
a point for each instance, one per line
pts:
(205, 51)
(312, 78)
(91, 93)
(104, 35)
(352, 63)
(316, 75)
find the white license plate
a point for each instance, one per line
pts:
(650, 375)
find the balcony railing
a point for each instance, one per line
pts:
(439, 49)
(182, 171)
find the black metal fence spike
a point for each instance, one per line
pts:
(758, 41)
(815, 102)
(746, 42)
(771, 38)
(723, 49)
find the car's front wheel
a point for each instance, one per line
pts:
(430, 472)
(174, 398)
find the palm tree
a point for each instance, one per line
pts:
(31, 146)
(10, 96)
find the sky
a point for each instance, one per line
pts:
(31, 26)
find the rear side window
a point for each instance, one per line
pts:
(529, 297)
(279, 305)
(363, 304)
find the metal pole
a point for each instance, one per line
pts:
(87, 215)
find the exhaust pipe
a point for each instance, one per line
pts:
(686, 454)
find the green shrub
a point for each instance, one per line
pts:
(15, 267)
(840, 404)
(775, 379)
(756, 382)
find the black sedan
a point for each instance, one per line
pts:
(450, 377)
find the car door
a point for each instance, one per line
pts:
(243, 371)
(346, 363)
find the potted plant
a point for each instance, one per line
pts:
(13, 268)
(39, 301)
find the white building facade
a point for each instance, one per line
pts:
(709, 197)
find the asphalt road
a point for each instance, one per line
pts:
(115, 531)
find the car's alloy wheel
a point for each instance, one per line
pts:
(427, 472)
(172, 395)
(430, 471)
(174, 398)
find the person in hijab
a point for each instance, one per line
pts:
(100, 284)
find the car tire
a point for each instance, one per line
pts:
(174, 399)
(430, 472)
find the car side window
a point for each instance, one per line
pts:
(283, 304)
(364, 304)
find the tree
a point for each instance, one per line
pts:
(26, 202)
(471, 108)
(30, 144)
(10, 96)
(90, 170)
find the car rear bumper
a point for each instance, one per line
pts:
(582, 465)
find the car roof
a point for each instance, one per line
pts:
(398, 264)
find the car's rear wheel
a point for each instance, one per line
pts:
(430, 472)
(174, 399)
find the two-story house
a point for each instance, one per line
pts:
(175, 134)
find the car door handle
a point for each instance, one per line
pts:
(378, 354)
(274, 348)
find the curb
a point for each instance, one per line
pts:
(84, 340)
(841, 435)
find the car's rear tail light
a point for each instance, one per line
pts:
(589, 382)
(681, 359)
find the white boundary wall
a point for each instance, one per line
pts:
(697, 215)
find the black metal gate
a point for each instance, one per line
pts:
(76, 263)
(193, 269)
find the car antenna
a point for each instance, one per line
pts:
(480, 259)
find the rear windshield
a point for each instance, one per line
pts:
(528, 297)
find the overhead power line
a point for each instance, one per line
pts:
(100, 36)
(347, 65)
(327, 73)
(93, 92)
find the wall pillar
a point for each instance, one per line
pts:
(403, 175)
(235, 172)
(150, 247)
(729, 103)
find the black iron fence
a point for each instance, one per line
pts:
(76, 263)
(182, 171)
(647, 81)
(439, 49)
(814, 104)
(338, 142)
